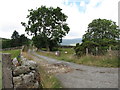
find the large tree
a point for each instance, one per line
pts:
(101, 33)
(48, 22)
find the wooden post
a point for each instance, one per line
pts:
(7, 81)
(96, 50)
(109, 48)
(86, 51)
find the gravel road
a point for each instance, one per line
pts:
(82, 76)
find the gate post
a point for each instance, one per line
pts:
(7, 81)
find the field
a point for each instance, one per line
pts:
(102, 61)
(14, 53)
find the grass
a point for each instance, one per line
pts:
(0, 76)
(101, 61)
(14, 53)
(47, 80)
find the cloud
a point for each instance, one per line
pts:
(80, 13)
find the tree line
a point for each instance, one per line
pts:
(15, 41)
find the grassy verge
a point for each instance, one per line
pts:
(0, 76)
(102, 61)
(47, 80)
(14, 53)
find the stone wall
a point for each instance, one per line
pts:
(12, 48)
(23, 74)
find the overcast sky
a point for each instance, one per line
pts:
(80, 13)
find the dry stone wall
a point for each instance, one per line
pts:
(26, 75)
(22, 75)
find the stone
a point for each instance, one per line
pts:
(6, 71)
(66, 52)
(57, 53)
(28, 78)
(31, 64)
(21, 70)
(15, 62)
(36, 84)
(17, 80)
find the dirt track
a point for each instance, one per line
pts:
(74, 75)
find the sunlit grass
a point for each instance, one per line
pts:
(102, 61)
(14, 53)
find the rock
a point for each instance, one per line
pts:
(66, 52)
(30, 63)
(57, 53)
(36, 84)
(15, 62)
(28, 78)
(21, 70)
(17, 80)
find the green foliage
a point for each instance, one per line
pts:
(15, 41)
(47, 25)
(100, 29)
(6, 43)
(102, 34)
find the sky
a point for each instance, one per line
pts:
(80, 13)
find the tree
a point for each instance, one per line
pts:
(19, 40)
(101, 33)
(48, 22)
(15, 39)
(23, 40)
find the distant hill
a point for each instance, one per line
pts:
(71, 41)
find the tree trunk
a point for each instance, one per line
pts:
(48, 48)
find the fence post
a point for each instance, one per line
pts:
(96, 50)
(86, 51)
(7, 81)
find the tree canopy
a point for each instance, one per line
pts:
(101, 33)
(48, 24)
(100, 30)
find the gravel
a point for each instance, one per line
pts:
(83, 76)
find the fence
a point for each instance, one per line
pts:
(97, 51)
